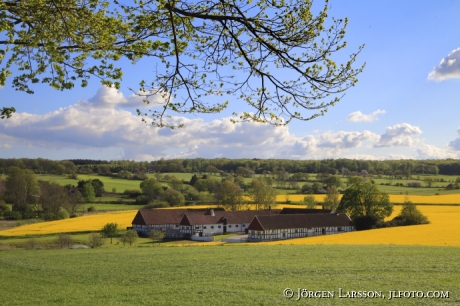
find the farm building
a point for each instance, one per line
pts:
(166, 220)
(213, 222)
(286, 226)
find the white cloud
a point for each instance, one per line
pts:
(399, 135)
(337, 142)
(362, 157)
(83, 128)
(110, 97)
(448, 68)
(360, 117)
(455, 144)
(91, 128)
(426, 151)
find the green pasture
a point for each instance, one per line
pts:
(109, 182)
(122, 184)
(226, 275)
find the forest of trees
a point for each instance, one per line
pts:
(244, 167)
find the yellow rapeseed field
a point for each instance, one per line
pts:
(80, 224)
(394, 198)
(443, 230)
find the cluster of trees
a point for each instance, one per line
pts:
(228, 191)
(32, 198)
(367, 206)
(275, 168)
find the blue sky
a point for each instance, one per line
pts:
(405, 105)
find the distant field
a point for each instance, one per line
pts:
(80, 224)
(229, 275)
(394, 198)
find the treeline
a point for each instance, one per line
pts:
(258, 166)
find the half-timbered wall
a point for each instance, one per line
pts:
(281, 234)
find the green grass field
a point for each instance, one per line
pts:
(226, 275)
(122, 184)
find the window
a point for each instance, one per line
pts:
(218, 226)
(236, 225)
(244, 225)
(204, 227)
(177, 225)
(212, 226)
(229, 226)
(196, 227)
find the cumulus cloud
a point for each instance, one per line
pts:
(399, 135)
(455, 144)
(336, 143)
(110, 97)
(448, 68)
(426, 151)
(113, 129)
(360, 117)
(93, 128)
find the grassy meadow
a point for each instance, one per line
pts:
(421, 258)
(228, 275)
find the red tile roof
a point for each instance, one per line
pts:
(299, 221)
(163, 216)
(233, 217)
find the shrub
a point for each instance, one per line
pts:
(160, 204)
(365, 222)
(3, 208)
(64, 240)
(12, 215)
(410, 215)
(414, 184)
(95, 240)
(130, 236)
(91, 209)
(31, 243)
(62, 214)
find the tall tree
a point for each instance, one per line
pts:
(230, 195)
(194, 43)
(365, 200)
(88, 192)
(53, 198)
(22, 190)
(151, 188)
(331, 201)
(262, 194)
(110, 230)
(310, 201)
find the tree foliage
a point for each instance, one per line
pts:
(230, 195)
(331, 201)
(365, 199)
(310, 201)
(22, 190)
(151, 188)
(262, 194)
(156, 235)
(110, 230)
(88, 192)
(130, 236)
(410, 215)
(95, 240)
(195, 44)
